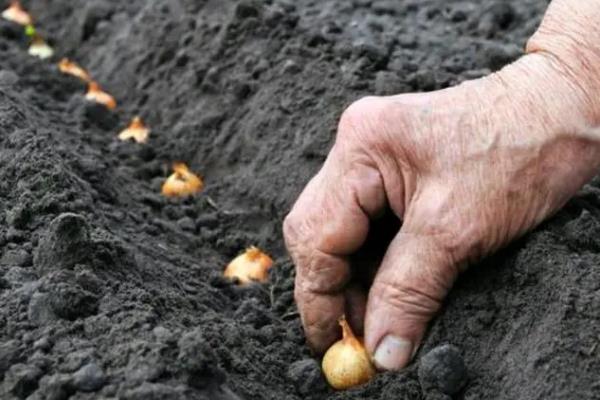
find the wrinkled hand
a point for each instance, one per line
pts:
(466, 169)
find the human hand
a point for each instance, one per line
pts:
(466, 169)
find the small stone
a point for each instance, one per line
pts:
(89, 378)
(65, 243)
(306, 376)
(442, 369)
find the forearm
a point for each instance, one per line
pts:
(569, 37)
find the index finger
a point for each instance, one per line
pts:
(329, 222)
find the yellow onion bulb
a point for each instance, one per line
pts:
(182, 182)
(69, 67)
(251, 266)
(39, 48)
(17, 14)
(347, 364)
(96, 94)
(137, 131)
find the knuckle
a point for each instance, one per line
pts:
(325, 273)
(355, 115)
(409, 299)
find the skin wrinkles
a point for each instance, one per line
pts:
(467, 169)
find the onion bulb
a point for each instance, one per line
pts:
(39, 48)
(69, 67)
(347, 364)
(136, 131)
(251, 266)
(96, 94)
(182, 182)
(16, 13)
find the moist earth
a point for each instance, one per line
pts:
(109, 290)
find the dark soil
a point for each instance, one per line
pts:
(109, 290)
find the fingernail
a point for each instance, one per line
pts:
(393, 353)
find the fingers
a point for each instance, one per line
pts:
(414, 278)
(329, 222)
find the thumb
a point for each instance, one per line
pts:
(409, 288)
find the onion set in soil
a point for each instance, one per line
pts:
(347, 364)
(137, 131)
(96, 94)
(182, 182)
(39, 48)
(251, 266)
(69, 67)
(17, 14)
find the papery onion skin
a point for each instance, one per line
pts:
(41, 50)
(67, 66)
(136, 131)
(17, 14)
(251, 266)
(347, 363)
(182, 182)
(96, 94)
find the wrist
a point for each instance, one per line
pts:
(569, 41)
(563, 124)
